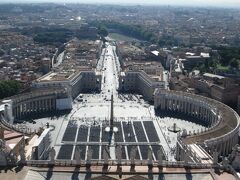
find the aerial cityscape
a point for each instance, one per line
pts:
(116, 91)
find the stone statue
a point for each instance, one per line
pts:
(160, 158)
(77, 155)
(194, 155)
(119, 154)
(52, 154)
(105, 156)
(133, 155)
(150, 156)
(185, 158)
(89, 155)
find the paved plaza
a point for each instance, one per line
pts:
(139, 129)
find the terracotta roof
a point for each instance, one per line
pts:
(8, 135)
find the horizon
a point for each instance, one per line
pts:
(180, 3)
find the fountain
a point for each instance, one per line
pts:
(174, 128)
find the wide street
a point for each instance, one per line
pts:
(109, 72)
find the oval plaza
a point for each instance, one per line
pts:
(91, 111)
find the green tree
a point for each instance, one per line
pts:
(102, 31)
(234, 63)
(9, 88)
(135, 31)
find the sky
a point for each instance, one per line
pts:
(217, 3)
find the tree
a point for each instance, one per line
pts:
(234, 63)
(102, 31)
(135, 31)
(9, 88)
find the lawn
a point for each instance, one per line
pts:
(222, 68)
(121, 37)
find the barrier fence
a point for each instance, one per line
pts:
(71, 163)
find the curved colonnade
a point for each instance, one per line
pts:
(27, 104)
(223, 122)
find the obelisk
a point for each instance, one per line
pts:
(111, 115)
(111, 129)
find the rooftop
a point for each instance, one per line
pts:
(57, 76)
(213, 76)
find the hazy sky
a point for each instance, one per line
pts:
(224, 3)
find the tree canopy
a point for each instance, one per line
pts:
(234, 63)
(228, 54)
(102, 30)
(135, 31)
(9, 88)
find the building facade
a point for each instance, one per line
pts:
(141, 82)
(74, 82)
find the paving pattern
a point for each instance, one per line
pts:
(65, 152)
(87, 139)
(139, 131)
(151, 132)
(70, 132)
(82, 134)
